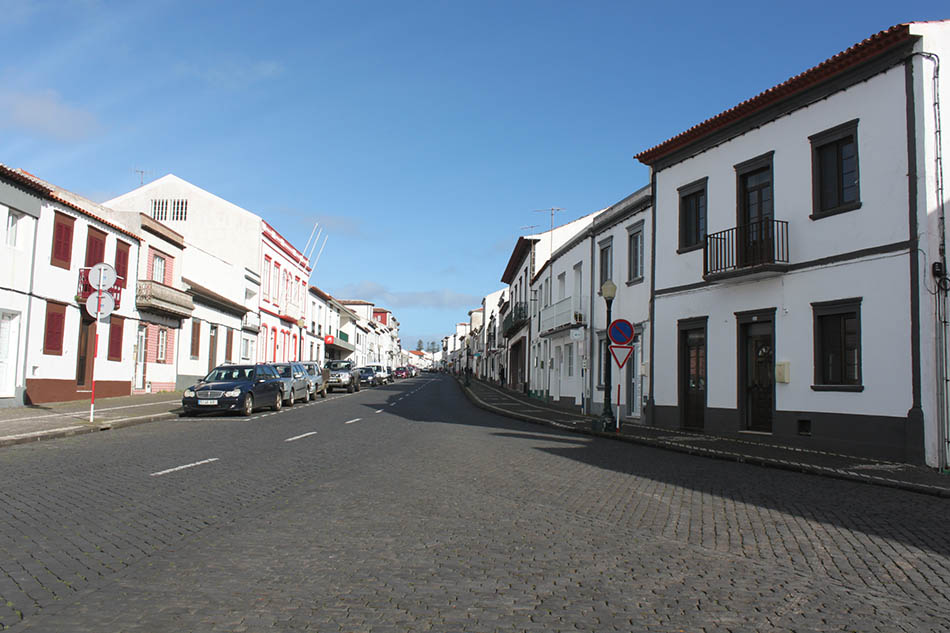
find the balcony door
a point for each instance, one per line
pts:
(755, 227)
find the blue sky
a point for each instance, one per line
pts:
(422, 135)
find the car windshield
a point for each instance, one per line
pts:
(285, 371)
(219, 374)
(338, 365)
(311, 369)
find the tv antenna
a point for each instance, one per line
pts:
(552, 211)
(141, 173)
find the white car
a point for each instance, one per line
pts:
(383, 373)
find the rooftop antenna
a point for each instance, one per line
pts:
(315, 225)
(142, 173)
(313, 269)
(552, 211)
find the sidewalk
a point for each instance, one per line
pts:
(19, 425)
(871, 471)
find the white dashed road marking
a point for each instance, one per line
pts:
(171, 470)
(299, 437)
(354, 420)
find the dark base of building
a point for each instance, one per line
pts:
(564, 402)
(42, 390)
(898, 439)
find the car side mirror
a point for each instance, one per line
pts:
(298, 375)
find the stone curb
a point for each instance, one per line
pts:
(714, 454)
(40, 436)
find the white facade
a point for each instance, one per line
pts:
(222, 275)
(283, 298)
(741, 345)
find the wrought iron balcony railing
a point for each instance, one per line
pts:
(747, 249)
(516, 317)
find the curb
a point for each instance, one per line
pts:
(766, 462)
(40, 436)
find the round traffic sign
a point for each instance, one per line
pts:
(620, 332)
(105, 304)
(102, 275)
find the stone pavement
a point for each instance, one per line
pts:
(19, 425)
(752, 451)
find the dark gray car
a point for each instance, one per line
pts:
(294, 382)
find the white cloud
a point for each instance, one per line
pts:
(46, 114)
(382, 296)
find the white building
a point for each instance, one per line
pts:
(45, 329)
(283, 298)
(570, 350)
(794, 300)
(491, 345)
(220, 270)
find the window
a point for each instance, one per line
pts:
(834, 169)
(158, 269)
(266, 284)
(55, 327)
(604, 357)
(116, 325)
(95, 247)
(13, 219)
(62, 241)
(635, 253)
(176, 210)
(162, 345)
(195, 338)
(561, 286)
(837, 339)
(122, 262)
(606, 261)
(275, 285)
(228, 344)
(569, 358)
(692, 215)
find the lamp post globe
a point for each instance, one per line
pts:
(608, 291)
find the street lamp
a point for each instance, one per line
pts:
(608, 290)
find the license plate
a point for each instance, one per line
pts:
(212, 402)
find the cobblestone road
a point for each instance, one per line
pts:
(424, 513)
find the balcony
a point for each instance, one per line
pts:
(84, 289)
(515, 318)
(151, 295)
(565, 313)
(759, 249)
(251, 321)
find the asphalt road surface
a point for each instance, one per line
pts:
(404, 508)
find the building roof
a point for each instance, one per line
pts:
(64, 197)
(861, 52)
(518, 253)
(355, 302)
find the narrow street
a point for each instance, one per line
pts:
(405, 508)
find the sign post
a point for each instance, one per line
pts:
(100, 304)
(621, 333)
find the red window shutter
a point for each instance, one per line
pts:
(62, 241)
(116, 325)
(122, 263)
(55, 326)
(95, 247)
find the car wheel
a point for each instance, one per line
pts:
(349, 388)
(357, 386)
(278, 401)
(323, 394)
(290, 402)
(247, 407)
(306, 396)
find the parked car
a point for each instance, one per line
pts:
(343, 375)
(401, 372)
(319, 378)
(296, 382)
(368, 376)
(383, 372)
(238, 388)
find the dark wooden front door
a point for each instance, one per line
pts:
(213, 348)
(757, 375)
(756, 236)
(85, 351)
(693, 377)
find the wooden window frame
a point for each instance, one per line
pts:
(51, 347)
(835, 308)
(606, 245)
(635, 232)
(116, 331)
(122, 249)
(69, 224)
(94, 234)
(195, 339)
(685, 193)
(819, 141)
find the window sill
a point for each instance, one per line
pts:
(635, 281)
(689, 249)
(818, 215)
(851, 388)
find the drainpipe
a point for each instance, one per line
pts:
(29, 303)
(591, 332)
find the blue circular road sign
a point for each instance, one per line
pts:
(620, 332)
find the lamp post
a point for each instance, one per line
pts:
(608, 290)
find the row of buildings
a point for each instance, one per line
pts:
(201, 282)
(784, 271)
